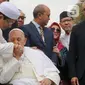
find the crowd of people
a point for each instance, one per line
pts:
(34, 54)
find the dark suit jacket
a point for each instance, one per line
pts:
(34, 38)
(76, 55)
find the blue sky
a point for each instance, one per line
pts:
(56, 7)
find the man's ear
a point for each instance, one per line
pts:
(25, 40)
(39, 14)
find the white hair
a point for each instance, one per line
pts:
(16, 29)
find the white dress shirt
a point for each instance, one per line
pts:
(65, 39)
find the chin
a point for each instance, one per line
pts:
(55, 37)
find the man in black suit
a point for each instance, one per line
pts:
(76, 55)
(41, 15)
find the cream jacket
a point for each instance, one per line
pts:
(42, 67)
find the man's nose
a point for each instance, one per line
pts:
(16, 42)
(66, 22)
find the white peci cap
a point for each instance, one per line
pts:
(9, 10)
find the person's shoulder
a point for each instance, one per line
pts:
(33, 52)
(81, 24)
(32, 49)
(78, 28)
(48, 30)
(27, 25)
(28, 48)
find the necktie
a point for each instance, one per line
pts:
(42, 33)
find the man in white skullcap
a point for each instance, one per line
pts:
(8, 14)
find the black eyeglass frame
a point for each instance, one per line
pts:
(57, 30)
(22, 17)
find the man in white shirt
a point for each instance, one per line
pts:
(35, 68)
(66, 23)
(8, 14)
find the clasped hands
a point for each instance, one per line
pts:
(18, 51)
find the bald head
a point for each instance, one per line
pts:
(41, 8)
(17, 36)
(41, 15)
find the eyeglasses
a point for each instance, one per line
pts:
(10, 21)
(22, 17)
(57, 30)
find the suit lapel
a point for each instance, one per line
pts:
(46, 35)
(35, 31)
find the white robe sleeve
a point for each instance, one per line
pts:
(50, 71)
(6, 52)
(54, 76)
(2, 40)
(9, 70)
(8, 64)
(6, 48)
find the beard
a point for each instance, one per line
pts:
(69, 29)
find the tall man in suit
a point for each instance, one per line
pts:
(41, 15)
(76, 55)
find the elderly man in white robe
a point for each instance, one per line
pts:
(35, 68)
(8, 14)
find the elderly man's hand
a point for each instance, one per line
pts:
(18, 51)
(46, 81)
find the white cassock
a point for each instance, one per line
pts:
(42, 66)
(6, 55)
